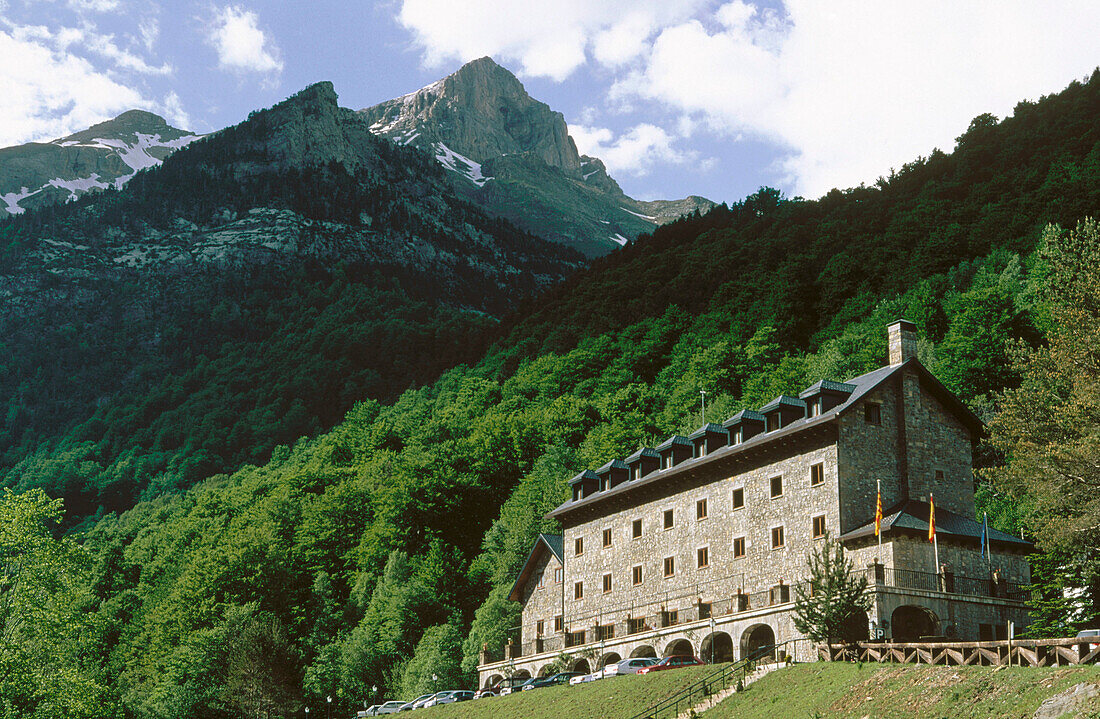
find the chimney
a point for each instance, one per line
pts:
(902, 336)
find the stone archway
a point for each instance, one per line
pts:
(679, 647)
(609, 658)
(547, 670)
(716, 648)
(493, 680)
(755, 642)
(582, 666)
(643, 651)
(857, 627)
(909, 623)
(522, 674)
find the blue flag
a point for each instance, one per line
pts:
(985, 535)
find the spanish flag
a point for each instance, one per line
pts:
(878, 514)
(931, 518)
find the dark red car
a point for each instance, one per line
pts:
(673, 663)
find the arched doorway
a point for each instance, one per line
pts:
(909, 623)
(493, 680)
(609, 658)
(643, 651)
(582, 666)
(679, 648)
(756, 640)
(717, 647)
(547, 670)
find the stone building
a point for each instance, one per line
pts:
(693, 546)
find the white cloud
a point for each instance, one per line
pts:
(855, 88)
(50, 92)
(94, 5)
(149, 29)
(172, 109)
(547, 39)
(634, 152)
(240, 43)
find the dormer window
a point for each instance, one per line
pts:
(666, 462)
(736, 436)
(636, 471)
(815, 408)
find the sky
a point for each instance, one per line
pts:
(677, 97)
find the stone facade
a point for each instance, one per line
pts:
(701, 556)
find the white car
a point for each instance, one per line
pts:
(587, 677)
(628, 666)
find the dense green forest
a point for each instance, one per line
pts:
(121, 382)
(380, 552)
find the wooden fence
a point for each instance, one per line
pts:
(1010, 652)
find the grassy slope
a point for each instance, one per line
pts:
(900, 692)
(619, 698)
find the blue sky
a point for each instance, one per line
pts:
(677, 96)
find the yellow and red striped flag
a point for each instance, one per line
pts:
(878, 514)
(931, 518)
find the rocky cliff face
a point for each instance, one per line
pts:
(513, 155)
(104, 155)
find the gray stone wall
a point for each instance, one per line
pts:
(937, 442)
(869, 452)
(761, 568)
(541, 603)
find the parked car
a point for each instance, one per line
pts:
(371, 711)
(449, 697)
(583, 678)
(628, 666)
(415, 703)
(391, 707)
(553, 680)
(1092, 635)
(677, 662)
(509, 685)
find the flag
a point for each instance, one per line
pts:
(985, 535)
(878, 514)
(931, 518)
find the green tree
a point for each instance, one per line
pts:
(833, 604)
(436, 663)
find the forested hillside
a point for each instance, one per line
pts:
(380, 553)
(245, 293)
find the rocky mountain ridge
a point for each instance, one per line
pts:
(105, 155)
(513, 155)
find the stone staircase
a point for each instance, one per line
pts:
(714, 699)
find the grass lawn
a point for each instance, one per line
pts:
(617, 698)
(879, 691)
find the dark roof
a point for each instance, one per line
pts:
(826, 385)
(587, 474)
(674, 439)
(863, 384)
(782, 400)
(708, 427)
(643, 452)
(745, 414)
(544, 542)
(613, 464)
(912, 517)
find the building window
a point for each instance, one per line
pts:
(815, 408)
(736, 437)
(578, 546)
(872, 413)
(670, 566)
(705, 610)
(636, 575)
(819, 526)
(939, 476)
(701, 449)
(817, 474)
(605, 632)
(780, 594)
(636, 529)
(575, 639)
(557, 575)
(578, 590)
(607, 583)
(636, 471)
(670, 618)
(542, 581)
(702, 557)
(701, 509)
(635, 625)
(607, 537)
(777, 537)
(668, 519)
(667, 460)
(557, 623)
(538, 628)
(777, 486)
(739, 498)
(738, 547)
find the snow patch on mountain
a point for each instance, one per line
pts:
(644, 217)
(620, 239)
(12, 199)
(460, 164)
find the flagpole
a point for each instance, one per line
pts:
(985, 544)
(933, 532)
(878, 516)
